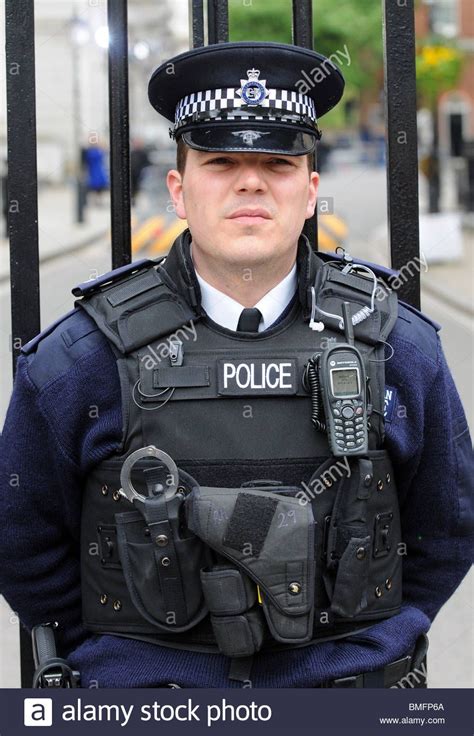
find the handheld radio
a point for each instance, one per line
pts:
(342, 377)
(337, 376)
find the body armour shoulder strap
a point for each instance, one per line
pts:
(372, 302)
(134, 306)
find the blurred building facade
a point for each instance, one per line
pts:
(71, 75)
(453, 20)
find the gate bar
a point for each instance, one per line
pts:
(22, 198)
(303, 23)
(217, 21)
(402, 153)
(196, 22)
(302, 34)
(22, 203)
(119, 133)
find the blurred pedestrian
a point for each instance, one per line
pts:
(139, 160)
(97, 179)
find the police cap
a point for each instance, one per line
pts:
(247, 96)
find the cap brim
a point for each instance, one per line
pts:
(252, 138)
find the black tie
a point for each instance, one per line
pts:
(249, 320)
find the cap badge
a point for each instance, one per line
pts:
(253, 90)
(249, 136)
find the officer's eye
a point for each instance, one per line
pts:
(219, 160)
(280, 161)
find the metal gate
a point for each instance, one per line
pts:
(402, 163)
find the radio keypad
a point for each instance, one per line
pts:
(349, 423)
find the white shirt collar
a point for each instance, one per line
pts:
(226, 311)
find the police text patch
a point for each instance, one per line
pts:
(255, 376)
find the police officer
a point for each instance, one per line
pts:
(321, 504)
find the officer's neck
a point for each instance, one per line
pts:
(246, 284)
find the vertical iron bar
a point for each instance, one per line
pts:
(302, 32)
(217, 21)
(22, 202)
(196, 22)
(119, 132)
(22, 172)
(303, 23)
(76, 102)
(402, 154)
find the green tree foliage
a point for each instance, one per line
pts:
(438, 68)
(347, 26)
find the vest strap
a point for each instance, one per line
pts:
(138, 310)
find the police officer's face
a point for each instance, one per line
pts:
(244, 208)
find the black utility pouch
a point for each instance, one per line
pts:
(161, 562)
(227, 591)
(239, 636)
(350, 591)
(229, 596)
(268, 534)
(361, 546)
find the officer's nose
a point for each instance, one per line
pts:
(250, 178)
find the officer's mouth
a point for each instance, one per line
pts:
(250, 216)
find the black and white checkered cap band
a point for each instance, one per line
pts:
(227, 99)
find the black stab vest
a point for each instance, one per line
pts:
(227, 433)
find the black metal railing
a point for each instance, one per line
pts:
(22, 190)
(402, 141)
(207, 24)
(22, 201)
(302, 32)
(119, 133)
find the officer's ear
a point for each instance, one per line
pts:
(174, 182)
(312, 194)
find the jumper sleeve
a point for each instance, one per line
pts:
(50, 438)
(438, 506)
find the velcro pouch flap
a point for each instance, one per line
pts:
(227, 591)
(238, 636)
(350, 592)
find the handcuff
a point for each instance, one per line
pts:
(127, 489)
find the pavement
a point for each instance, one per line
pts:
(453, 282)
(446, 258)
(59, 233)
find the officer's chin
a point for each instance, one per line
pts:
(254, 232)
(248, 251)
